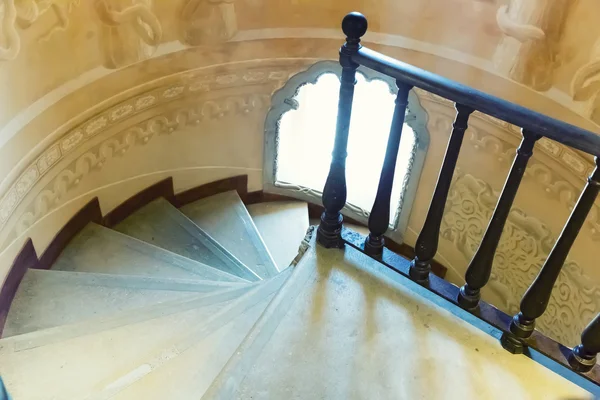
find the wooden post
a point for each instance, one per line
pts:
(329, 233)
(379, 219)
(480, 268)
(427, 243)
(536, 299)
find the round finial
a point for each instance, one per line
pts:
(354, 25)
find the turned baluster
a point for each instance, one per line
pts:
(379, 219)
(536, 299)
(583, 357)
(427, 243)
(354, 26)
(480, 268)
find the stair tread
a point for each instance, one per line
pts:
(225, 217)
(282, 225)
(94, 366)
(344, 326)
(103, 250)
(134, 316)
(47, 299)
(161, 224)
(83, 363)
(189, 374)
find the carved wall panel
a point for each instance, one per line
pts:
(130, 31)
(522, 250)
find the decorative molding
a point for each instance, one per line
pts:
(123, 141)
(528, 53)
(129, 34)
(208, 21)
(194, 84)
(522, 250)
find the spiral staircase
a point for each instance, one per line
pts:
(217, 300)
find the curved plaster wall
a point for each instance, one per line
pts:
(104, 98)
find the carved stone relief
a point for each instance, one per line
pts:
(23, 13)
(129, 33)
(529, 51)
(522, 250)
(208, 21)
(29, 11)
(585, 85)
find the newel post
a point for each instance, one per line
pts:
(329, 233)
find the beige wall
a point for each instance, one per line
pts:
(101, 106)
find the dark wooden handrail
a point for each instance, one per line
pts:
(515, 114)
(518, 332)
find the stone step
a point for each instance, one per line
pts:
(46, 299)
(188, 375)
(96, 325)
(225, 218)
(103, 250)
(100, 365)
(282, 225)
(161, 224)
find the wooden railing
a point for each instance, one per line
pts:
(519, 333)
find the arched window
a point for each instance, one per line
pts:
(300, 131)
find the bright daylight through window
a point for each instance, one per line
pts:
(306, 136)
